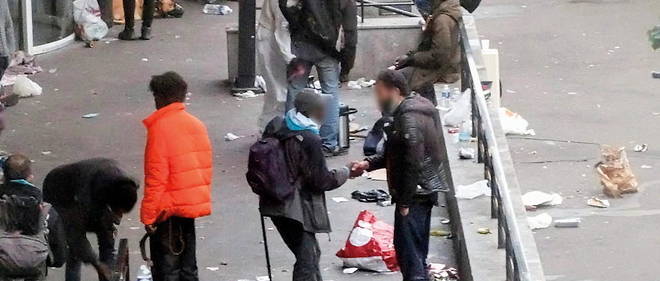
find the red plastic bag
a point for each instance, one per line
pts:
(370, 245)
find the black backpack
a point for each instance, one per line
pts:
(268, 173)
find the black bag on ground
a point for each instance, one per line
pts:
(268, 172)
(470, 5)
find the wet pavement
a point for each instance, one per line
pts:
(111, 80)
(581, 71)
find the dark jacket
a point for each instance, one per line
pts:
(316, 27)
(415, 154)
(55, 236)
(79, 192)
(307, 205)
(438, 55)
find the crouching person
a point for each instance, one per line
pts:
(303, 214)
(26, 218)
(178, 168)
(417, 169)
(90, 196)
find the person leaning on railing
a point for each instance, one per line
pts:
(437, 57)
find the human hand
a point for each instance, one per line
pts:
(358, 167)
(404, 211)
(402, 62)
(150, 228)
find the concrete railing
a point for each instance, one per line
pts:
(514, 235)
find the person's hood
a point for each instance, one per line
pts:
(417, 104)
(448, 7)
(297, 121)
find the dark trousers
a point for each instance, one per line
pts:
(173, 250)
(304, 246)
(106, 242)
(428, 91)
(147, 13)
(411, 241)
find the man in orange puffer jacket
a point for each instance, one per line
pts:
(178, 168)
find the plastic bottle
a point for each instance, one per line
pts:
(445, 95)
(145, 274)
(465, 136)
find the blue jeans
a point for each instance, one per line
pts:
(328, 71)
(411, 241)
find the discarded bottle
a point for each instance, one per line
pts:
(445, 100)
(145, 274)
(217, 9)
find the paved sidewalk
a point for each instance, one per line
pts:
(112, 80)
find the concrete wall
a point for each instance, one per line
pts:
(380, 41)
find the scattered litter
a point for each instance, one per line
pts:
(231, 137)
(374, 195)
(247, 94)
(443, 274)
(566, 223)
(361, 83)
(541, 221)
(350, 270)
(263, 278)
(484, 230)
(21, 64)
(439, 233)
(646, 167)
(535, 199)
(217, 9)
(52, 70)
(445, 221)
(474, 190)
(599, 203)
(370, 245)
(514, 124)
(90, 115)
(46, 152)
(655, 74)
(260, 82)
(466, 153)
(134, 228)
(572, 93)
(510, 91)
(641, 147)
(25, 88)
(377, 175)
(339, 199)
(615, 173)
(145, 59)
(461, 110)
(385, 203)
(212, 268)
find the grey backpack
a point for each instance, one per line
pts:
(22, 255)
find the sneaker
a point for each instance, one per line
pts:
(128, 34)
(146, 33)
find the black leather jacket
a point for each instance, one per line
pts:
(415, 154)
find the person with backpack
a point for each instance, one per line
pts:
(178, 166)
(28, 219)
(317, 28)
(294, 198)
(90, 196)
(417, 166)
(438, 55)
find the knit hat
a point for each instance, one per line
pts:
(309, 101)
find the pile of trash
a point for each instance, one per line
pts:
(21, 64)
(370, 246)
(379, 196)
(440, 272)
(360, 83)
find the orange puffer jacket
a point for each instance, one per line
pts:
(178, 166)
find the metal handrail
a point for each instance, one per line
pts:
(519, 266)
(387, 7)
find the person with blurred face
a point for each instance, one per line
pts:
(304, 214)
(415, 157)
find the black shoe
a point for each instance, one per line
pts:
(146, 33)
(128, 34)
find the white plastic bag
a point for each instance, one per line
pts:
(513, 123)
(461, 110)
(87, 15)
(477, 189)
(24, 87)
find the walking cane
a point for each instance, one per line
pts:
(263, 231)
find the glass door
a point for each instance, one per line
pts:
(46, 25)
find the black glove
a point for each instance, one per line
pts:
(403, 62)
